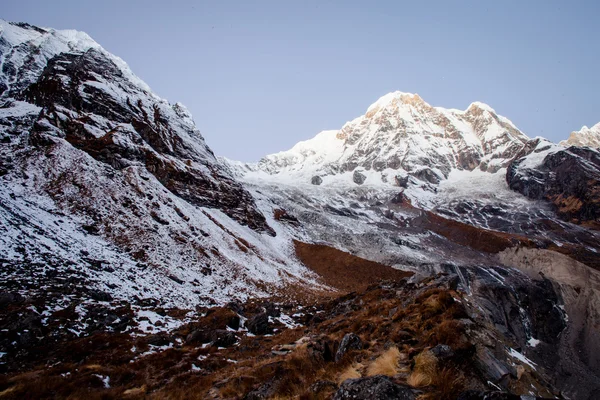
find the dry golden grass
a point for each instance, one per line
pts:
(138, 391)
(92, 367)
(419, 379)
(9, 391)
(447, 332)
(424, 371)
(449, 384)
(433, 304)
(352, 372)
(425, 362)
(385, 364)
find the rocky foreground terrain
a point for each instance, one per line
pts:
(416, 253)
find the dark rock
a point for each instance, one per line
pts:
(91, 229)
(402, 181)
(7, 298)
(237, 307)
(349, 342)
(569, 179)
(176, 279)
(491, 367)
(442, 351)
(198, 336)
(427, 175)
(322, 349)
(221, 338)
(316, 180)
(259, 324)
(377, 387)
(358, 177)
(158, 340)
(322, 386)
(100, 295)
(272, 310)
(265, 391)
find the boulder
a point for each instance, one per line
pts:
(376, 387)
(259, 324)
(316, 180)
(221, 338)
(491, 395)
(158, 340)
(442, 351)
(358, 177)
(349, 342)
(198, 336)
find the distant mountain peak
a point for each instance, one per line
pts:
(585, 137)
(481, 106)
(401, 131)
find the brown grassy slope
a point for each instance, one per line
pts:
(386, 316)
(342, 270)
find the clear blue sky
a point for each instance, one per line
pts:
(259, 76)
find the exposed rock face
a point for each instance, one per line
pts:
(579, 289)
(85, 98)
(568, 178)
(585, 137)
(377, 387)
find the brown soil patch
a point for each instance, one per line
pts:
(342, 270)
(467, 235)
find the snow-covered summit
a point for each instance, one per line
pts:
(400, 131)
(585, 137)
(27, 49)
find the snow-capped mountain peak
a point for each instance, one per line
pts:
(24, 39)
(585, 137)
(401, 131)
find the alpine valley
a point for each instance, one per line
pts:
(416, 253)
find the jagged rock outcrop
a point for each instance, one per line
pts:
(374, 387)
(567, 178)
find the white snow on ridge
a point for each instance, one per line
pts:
(584, 137)
(51, 42)
(543, 149)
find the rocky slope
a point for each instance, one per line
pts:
(101, 176)
(589, 137)
(427, 340)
